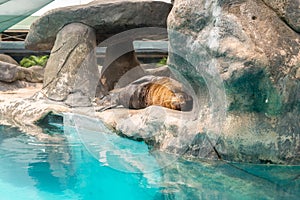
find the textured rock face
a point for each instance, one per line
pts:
(8, 59)
(288, 10)
(19, 110)
(72, 64)
(107, 17)
(246, 59)
(162, 129)
(11, 72)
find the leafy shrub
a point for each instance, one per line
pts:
(34, 60)
(162, 62)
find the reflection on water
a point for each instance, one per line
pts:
(220, 180)
(31, 169)
(54, 167)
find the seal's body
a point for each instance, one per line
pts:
(150, 90)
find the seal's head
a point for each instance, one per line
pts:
(168, 95)
(182, 101)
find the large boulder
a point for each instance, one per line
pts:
(246, 59)
(8, 59)
(72, 67)
(107, 17)
(11, 72)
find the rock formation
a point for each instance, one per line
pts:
(107, 17)
(11, 73)
(13, 76)
(72, 63)
(239, 59)
(102, 19)
(246, 58)
(8, 59)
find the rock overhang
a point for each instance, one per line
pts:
(106, 17)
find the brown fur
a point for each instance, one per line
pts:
(147, 91)
(164, 92)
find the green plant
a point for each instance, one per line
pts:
(34, 60)
(162, 62)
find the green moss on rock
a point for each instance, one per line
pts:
(253, 92)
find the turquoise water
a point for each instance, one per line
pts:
(63, 168)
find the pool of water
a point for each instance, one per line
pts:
(65, 168)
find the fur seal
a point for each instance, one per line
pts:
(147, 91)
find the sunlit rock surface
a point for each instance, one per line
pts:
(18, 108)
(72, 64)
